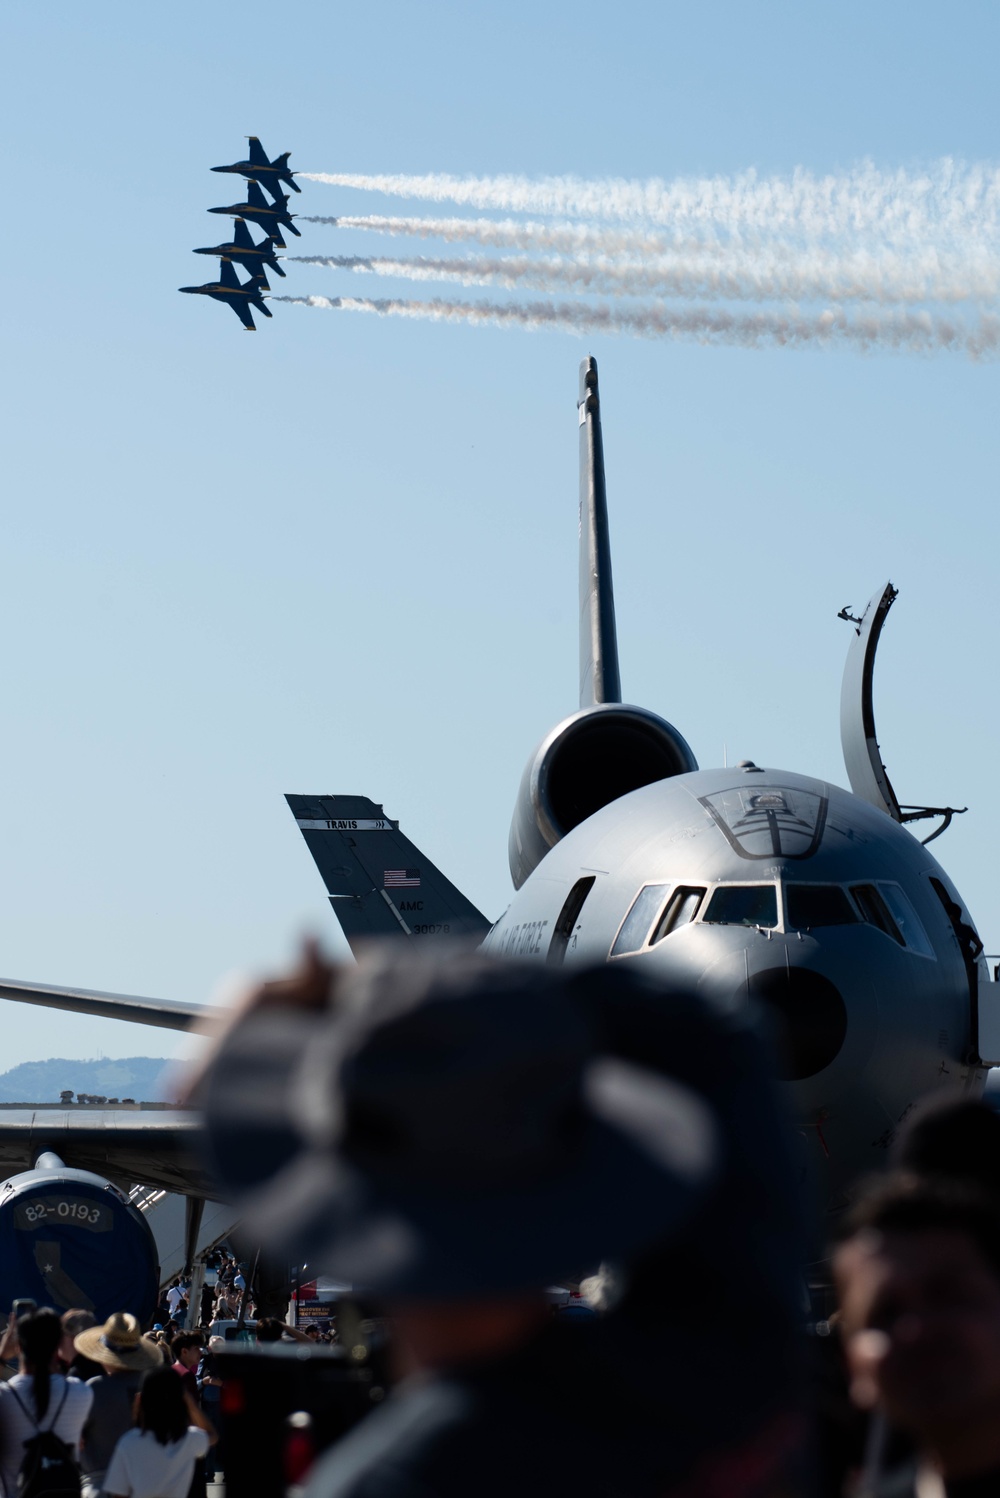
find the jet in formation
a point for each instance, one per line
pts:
(270, 216)
(259, 169)
(240, 295)
(749, 885)
(243, 251)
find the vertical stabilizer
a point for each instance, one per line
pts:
(599, 677)
(379, 883)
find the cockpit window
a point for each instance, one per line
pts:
(809, 905)
(743, 905)
(875, 911)
(906, 919)
(635, 926)
(682, 907)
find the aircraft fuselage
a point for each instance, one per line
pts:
(749, 884)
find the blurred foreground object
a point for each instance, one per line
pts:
(918, 1272)
(452, 1135)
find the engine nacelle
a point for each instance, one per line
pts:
(582, 764)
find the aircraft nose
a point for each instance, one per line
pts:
(810, 1015)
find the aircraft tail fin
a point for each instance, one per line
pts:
(282, 163)
(268, 248)
(379, 884)
(600, 680)
(258, 287)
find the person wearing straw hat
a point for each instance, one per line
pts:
(125, 1356)
(451, 1134)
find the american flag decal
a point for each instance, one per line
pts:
(400, 878)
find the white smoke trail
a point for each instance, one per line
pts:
(949, 202)
(518, 234)
(912, 332)
(743, 276)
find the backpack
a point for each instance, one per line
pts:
(48, 1469)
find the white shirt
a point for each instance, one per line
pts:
(16, 1427)
(174, 1297)
(142, 1468)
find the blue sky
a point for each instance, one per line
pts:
(340, 555)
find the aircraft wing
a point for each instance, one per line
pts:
(258, 156)
(227, 275)
(242, 310)
(242, 235)
(158, 1148)
(165, 1014)
(379, 884)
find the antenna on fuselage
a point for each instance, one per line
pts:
(600, 680)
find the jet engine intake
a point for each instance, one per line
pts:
(584, 763)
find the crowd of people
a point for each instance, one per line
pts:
(453, 1138)
(97, 1389)
(134, 1428)
(226, 1295)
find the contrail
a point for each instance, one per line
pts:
(518, 234)
(913, 332)
(743, 276)
(950, 201)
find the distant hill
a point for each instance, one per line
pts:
(138, 1077)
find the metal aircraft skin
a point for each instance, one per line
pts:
(258, 169)
(744, 884)
(243, 251)
(240, 295)
(749, 884)
(271, 217)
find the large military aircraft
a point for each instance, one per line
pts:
(70, 1238)
(270, 216)
(73, 1153)
(240, 295)
(259, 169)
(243, 250)
(747, 884)
(159, 1148)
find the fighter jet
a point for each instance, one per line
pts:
(750, 885)
(268, 215)
(245, 252)
(259, 169)
(240, 295)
